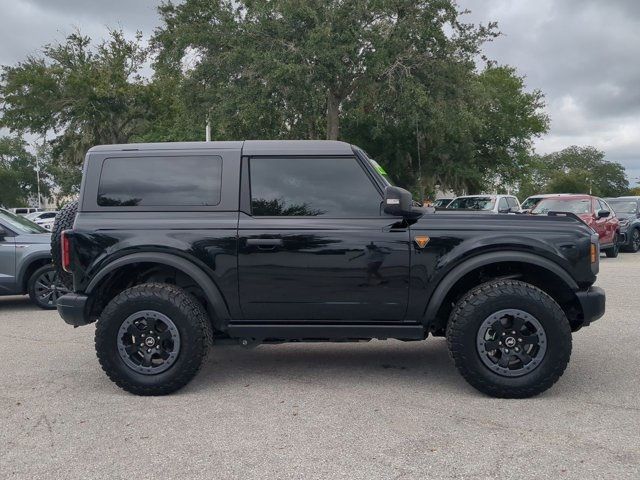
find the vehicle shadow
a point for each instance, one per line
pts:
(20, 302)
(374, 363)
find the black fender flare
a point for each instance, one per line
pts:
(451, 278)
(210, 289)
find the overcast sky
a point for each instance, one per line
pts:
(583, 54)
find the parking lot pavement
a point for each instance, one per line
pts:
(354, 411)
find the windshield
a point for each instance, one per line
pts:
(530, 203)
(442, 202)
(18, 223)
(473, 203)
(577, 206)
(624, 206)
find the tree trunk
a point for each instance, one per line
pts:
(333, 119)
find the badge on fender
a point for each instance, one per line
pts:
(421, 240)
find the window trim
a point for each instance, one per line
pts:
(246, 199)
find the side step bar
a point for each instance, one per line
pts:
(324, 332)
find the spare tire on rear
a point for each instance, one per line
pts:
(64, 221)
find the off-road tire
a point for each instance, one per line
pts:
(64, 221)
(480, 303)
(185, 312)
(612, 252)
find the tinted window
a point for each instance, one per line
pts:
(160, 181)
(334, 187)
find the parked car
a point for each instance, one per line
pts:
(533, 200)
(627, 209)
(486, 203)
(593, 211)
(24, 210)
(25, 261)
(177, 246)
(44, 219)
(442, 202)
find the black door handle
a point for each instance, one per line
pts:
(265, 243)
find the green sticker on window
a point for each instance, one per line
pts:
(378, 167)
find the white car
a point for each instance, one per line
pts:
(486, 203)
(44, 219)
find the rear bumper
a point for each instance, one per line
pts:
(72, 307)
(592, 302)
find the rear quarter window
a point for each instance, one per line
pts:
(160, 181)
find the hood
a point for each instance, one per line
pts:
(34, 238)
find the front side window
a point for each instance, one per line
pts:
(160, 181)
(310, 187)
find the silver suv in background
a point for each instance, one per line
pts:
(25, 261)
(486, 203)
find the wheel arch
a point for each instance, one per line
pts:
(532, 268)
(29, 265)
(208, 287)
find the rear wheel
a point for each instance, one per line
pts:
(152, 339)
(612, 252)
(64, 221)
(509, 339)
(45, 287)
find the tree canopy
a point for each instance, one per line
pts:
(406, 81)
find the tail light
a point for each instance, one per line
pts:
(65, 245)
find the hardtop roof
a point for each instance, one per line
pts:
(248, 147)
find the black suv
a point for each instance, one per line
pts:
(177, 247)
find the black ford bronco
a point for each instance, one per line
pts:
(178, 247)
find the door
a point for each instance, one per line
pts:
(7, 262)
(315, 245)
(600, 224)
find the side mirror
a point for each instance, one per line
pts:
(603, 213)
(398, 202)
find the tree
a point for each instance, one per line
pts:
(18, 180)
(584, 170)
(398, 78)
(81, 95)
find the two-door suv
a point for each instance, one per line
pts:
(180, 246)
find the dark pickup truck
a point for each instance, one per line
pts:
(178, 247)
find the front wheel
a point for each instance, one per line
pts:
(509, 339)
(634, 241)
(152, 339)
(612, 252)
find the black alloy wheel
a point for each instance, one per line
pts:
(45, 287)
(148, 342)
(511, 342)
(635, 240)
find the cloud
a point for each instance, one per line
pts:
(583, 54)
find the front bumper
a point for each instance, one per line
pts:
(72, 309)
(592, 302)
